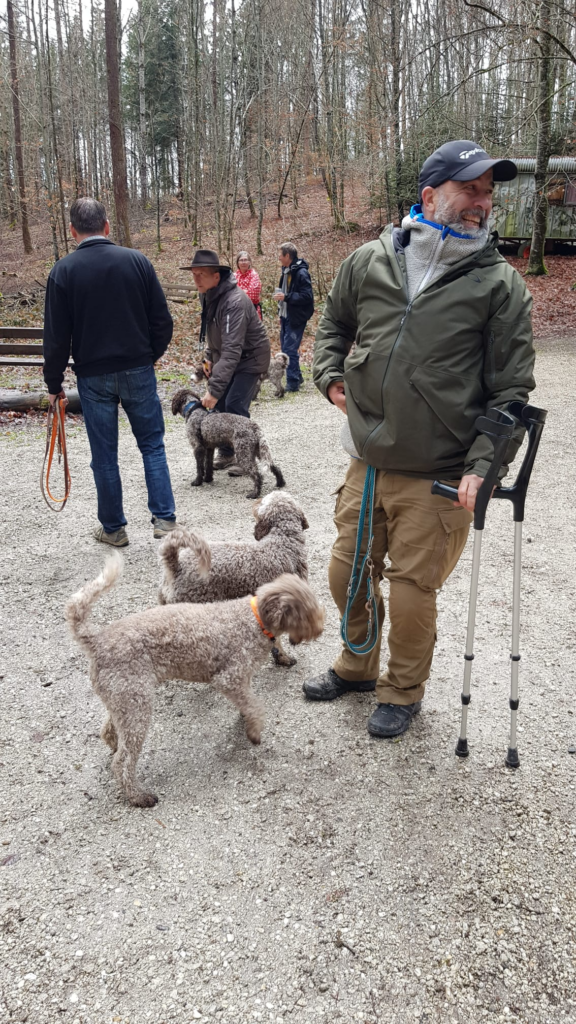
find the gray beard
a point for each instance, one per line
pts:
(445, 214)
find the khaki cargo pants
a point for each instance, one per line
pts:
(418, 538)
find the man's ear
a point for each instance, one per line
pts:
(107, 229)
(428, 201)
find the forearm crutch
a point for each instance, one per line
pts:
(499, 425)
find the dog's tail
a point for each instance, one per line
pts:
(78, 607)
(265, 456)
(171, 546)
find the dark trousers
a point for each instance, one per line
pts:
(290, 339)
(236, 399)
(100, 397)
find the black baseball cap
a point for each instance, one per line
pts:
(462, 160)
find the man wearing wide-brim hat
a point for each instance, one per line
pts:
(237, 347)
(442, 332)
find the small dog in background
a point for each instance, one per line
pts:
(209, 430)
(196, 570)
(275, 374)
(221, 644)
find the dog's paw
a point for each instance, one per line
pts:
(197, 482)
(281, 658)
(254, 737)
(253, 494)
(144, 799)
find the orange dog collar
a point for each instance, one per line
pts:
(254, 607)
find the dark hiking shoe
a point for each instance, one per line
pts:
(292, 389)
(224, 461)
(392, 719)
(162, 527)
(330, 685)
(118, 539)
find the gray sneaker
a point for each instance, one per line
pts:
(162, 527)
(118, 539)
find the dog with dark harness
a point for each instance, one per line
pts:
(209, 430)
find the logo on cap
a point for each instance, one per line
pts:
(470, 152)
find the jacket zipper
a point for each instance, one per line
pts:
(432, 265)
(425, 279)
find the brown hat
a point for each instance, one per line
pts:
(206, 258)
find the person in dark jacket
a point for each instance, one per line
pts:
(295, 307)
(237, 346)
(106, 303)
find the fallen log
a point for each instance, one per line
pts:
(22, 400)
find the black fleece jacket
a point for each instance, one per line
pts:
(107, 303)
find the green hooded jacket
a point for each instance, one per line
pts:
(421, 372)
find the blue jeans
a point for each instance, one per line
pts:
(100, 397)
(290, 339)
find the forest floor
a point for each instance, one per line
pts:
(324, 877)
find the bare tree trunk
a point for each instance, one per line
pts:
(395, 22)
(8, 185)
(142, 107)
(260, 161)
(27, 241)
(117, 149)
(536, 263)
(46, 148)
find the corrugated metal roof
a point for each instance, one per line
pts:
(556, 163)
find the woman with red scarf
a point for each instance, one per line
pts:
(248, 280)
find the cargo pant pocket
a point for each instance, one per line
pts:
(452, 533)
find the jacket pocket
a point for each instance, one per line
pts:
(455, 401)
(363, 376)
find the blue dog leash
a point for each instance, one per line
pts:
(366, 507)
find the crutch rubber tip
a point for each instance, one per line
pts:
(462, 748)
(512, 759)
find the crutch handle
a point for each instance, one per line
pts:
(499, 427)
(533, 420)
(445, 490)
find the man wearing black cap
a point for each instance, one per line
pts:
(423, 330)
(237, 346)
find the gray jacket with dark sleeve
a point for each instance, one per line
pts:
(236, 339)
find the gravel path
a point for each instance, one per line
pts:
(322, 877)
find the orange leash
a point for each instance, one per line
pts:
(55, 436)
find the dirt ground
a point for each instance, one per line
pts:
(324, 876)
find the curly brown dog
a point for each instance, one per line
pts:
(198, 571)
(222, 644)
(207, 430)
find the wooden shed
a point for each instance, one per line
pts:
(514, 200)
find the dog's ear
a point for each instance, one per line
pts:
(304, 521)
(288, 605)
(177, 398)
(262, 528)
